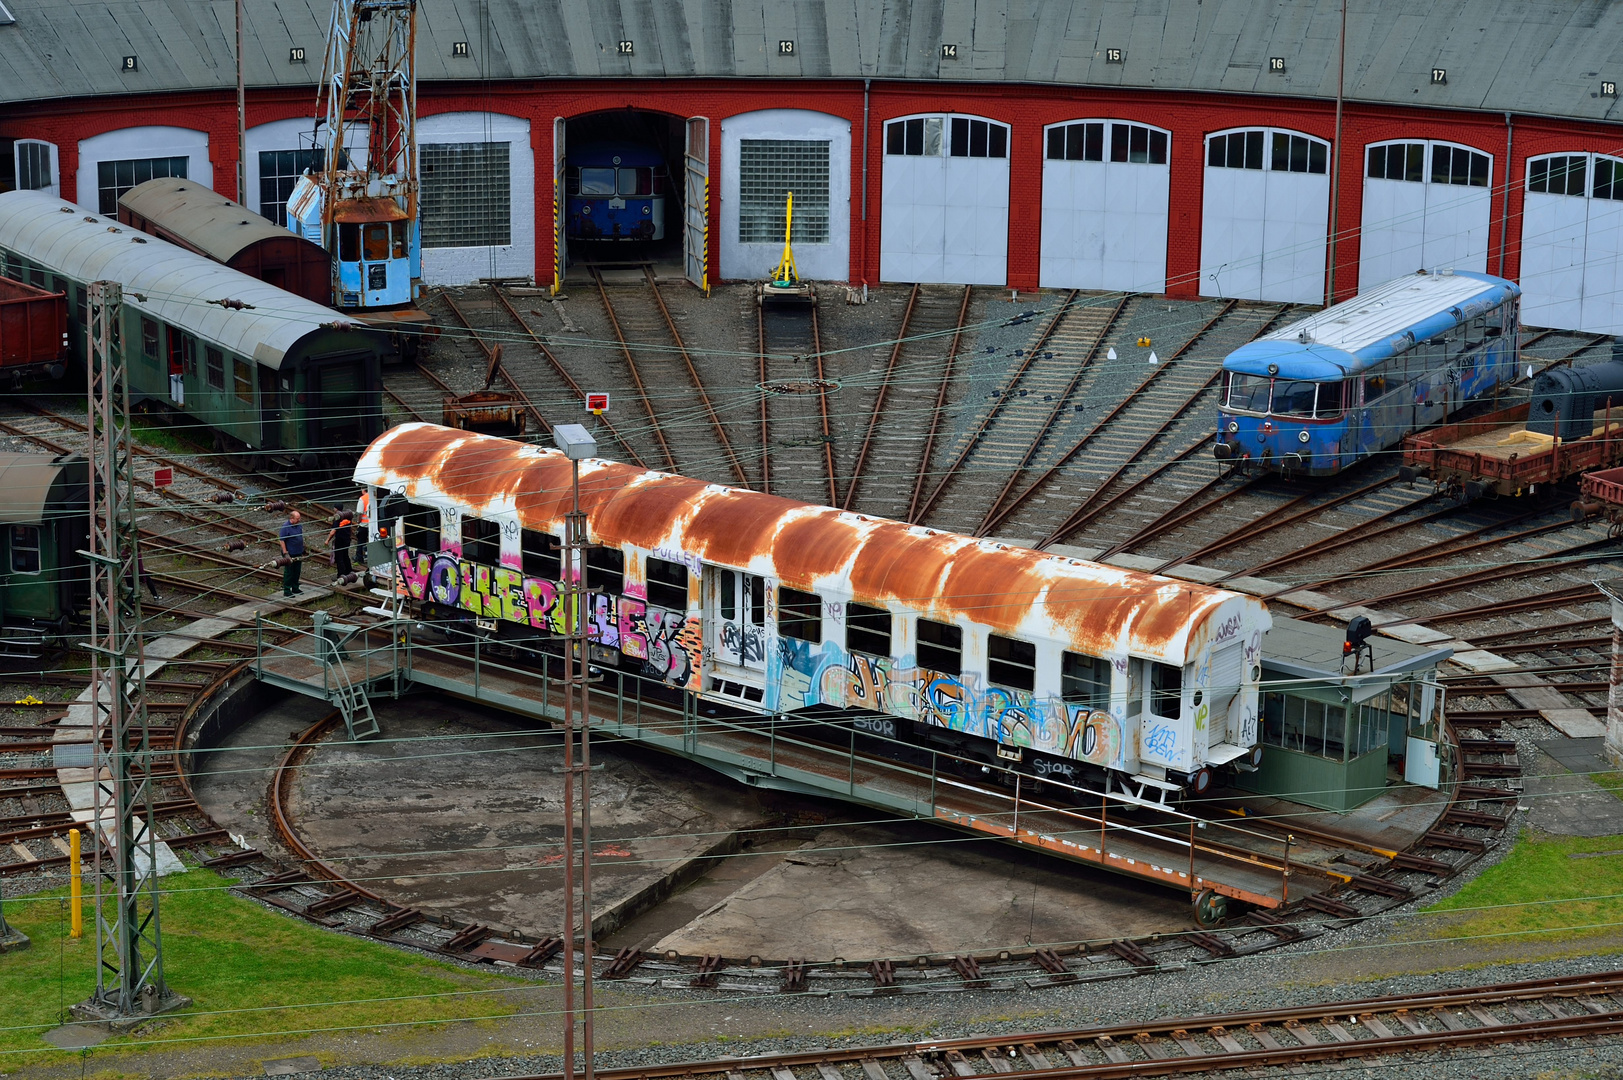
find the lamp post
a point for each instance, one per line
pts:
(577, 444)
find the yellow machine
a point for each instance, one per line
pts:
(785, 286)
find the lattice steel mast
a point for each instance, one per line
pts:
(129, 949)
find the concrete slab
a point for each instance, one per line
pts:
(77, 1036)
(1416, 634)
(1392, 821)
(1481, 662)
(292, 1066)
(1575, 723)
(459, 810)
(1569, 803)
(900, 891)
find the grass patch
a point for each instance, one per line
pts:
(226, 953)
(1610, 781)
(1543, 868)
(164, 438)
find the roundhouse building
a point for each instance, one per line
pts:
(1161, 146)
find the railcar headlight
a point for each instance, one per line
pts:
(586, 208)
(1234, 425)
(1302, 436)
(647, 209)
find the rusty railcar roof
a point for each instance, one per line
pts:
(1102, 610)
(211, 223)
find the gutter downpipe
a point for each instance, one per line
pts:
(866, 83)
(1504, 209)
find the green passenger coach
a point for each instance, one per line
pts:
(44, 523)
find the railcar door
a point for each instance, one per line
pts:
(735, 631)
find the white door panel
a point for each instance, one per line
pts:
(1553, 262)
(1603, 268)
(1392, 235)
(944, 218)
(1456, 227)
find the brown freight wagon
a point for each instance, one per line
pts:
(33, 330)
(188, 214)
(1496, 453)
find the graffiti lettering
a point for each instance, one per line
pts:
(1162, 741)
(1228, 629)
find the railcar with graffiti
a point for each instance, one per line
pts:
(1072, 670)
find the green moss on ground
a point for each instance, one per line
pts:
(242, 966)
(1516, 893)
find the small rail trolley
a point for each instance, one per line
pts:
(1352, 380)
(615, 191)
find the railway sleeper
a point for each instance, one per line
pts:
(335, 902)
(398, 920)
(710, 970)
(794, 976)
(1134, 955)
(1455, 841)
(234, 858)
(624, 963)
(884, 974)
(1333, 907)
(184, 840)
(1049, 961)
(466, 938)
(1405, 861)
(1274, 925)
(541, 952)
(1487, 746)
(1213, 944)
(1379, 886)
(969, 970)
(1475, 817)
(1481, 792)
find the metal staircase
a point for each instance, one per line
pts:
(332, 641)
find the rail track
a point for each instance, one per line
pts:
(796, 440)
(1573, 1007)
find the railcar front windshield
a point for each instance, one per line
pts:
(636, 181)
(597, 181)
(1249, 393)
(1294, 398)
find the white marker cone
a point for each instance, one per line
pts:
(1111, 354)
(1153, 358)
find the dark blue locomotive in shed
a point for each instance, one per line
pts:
(1352, 380)
(615, 191)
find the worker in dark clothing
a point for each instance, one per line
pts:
(291, 539)
(338, 541)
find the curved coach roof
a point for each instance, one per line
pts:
(1102, 610)
(174, 285)
(210, 222)
(1500, 55)
(28, 481)
(1372, 326)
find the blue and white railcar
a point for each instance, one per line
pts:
(616, 191)
(1352, 380)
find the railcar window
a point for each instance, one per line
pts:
(755, 588)
(635, 182)
(597, 181)
(1239, 150)
(605, 570)
(1295, 398)
(243, 377)
(1608, 179)
(542, 559)
(1397, 161)
(1458, 166)
(25, 549)
(1560, 175)
(149, 339)
(422, 527)
(1166, 690)
(1376, 381)
(1085, 680)
(1011, 662)
(349, 243)
(481, 540)
(399, 239)
(377, 242)
(81, 305)
(729, 597)
(1249, 393)
(215, 361)
(800, 614)
(867, 629)
(36, 277)
(1329, 404)
(667, 584)
(940, 647)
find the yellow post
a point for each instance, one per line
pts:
(73, 884)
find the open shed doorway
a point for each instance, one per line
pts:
(625, 192)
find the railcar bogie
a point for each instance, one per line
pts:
(1351, 381)
(1061, 669)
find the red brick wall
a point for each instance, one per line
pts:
(1027, 109)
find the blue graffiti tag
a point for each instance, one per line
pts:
(1162, 741)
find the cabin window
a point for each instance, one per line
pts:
(481, 540)
(940, 647)
(1011, 662)
(216, 367)
(597, 181)
(867, 629)
(1085, 680)
(422, 527)
(1166, 690)
(25, 549)
(1317, 728)
(399, 239)
(377, 242)
(800, 614)
(1249, 393)
(349, 243)
(149, 339)
(1293, 398)
(542, 559)
(243, 377)
(667, 585)
(605, 570)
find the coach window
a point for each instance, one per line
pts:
(667, 585)
(81, 305)
(541, 558)
(422, 527)
(1166, 690)
(1011, 662)
(216, 368)
(349, 243)
(800, 614)
(25, 549)
(867, 629)
(149, 339)
(1085, 680)
(481, 540)
(243, 377)
(605, 570)
(940, 647)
